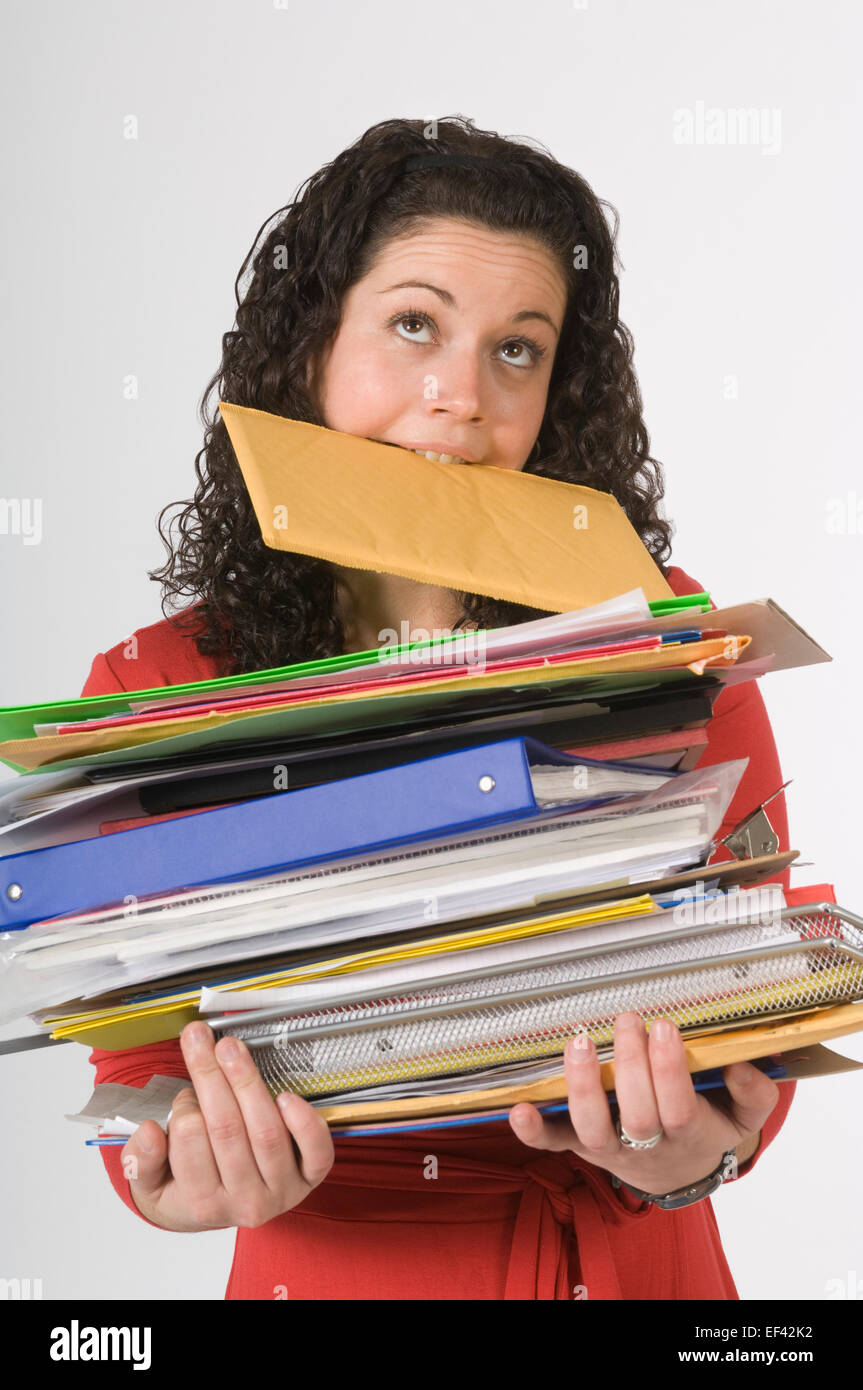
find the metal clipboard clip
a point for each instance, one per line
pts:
(754, 835)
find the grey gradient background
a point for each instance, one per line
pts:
(119, 257)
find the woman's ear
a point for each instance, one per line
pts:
(314, 372)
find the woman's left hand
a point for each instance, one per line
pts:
(654, 1091)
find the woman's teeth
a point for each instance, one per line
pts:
(439, 458)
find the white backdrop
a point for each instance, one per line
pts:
(741, 286)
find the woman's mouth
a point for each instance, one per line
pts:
(432, 454)
(438, 458)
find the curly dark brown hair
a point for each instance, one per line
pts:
(258, 608)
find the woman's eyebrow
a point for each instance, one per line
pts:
(451, 304)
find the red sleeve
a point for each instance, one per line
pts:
(103, 679)
(134, 1066)
(740, 728)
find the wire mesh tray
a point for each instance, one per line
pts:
(456, 1025)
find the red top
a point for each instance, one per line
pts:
(500, 1220)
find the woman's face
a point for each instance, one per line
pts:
(448, 344)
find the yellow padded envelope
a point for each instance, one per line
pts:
(470, 527)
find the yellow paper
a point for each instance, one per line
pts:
(159, 1019)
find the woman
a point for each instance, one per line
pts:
(465, 305)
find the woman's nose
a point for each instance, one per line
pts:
(458, 385)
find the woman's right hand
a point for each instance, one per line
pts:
(228, 1158)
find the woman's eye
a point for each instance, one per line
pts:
(530, 352)
(411, 318)
(521, 347)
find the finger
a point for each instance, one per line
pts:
(191, 1154)
(145, 1159)
(589, 1110)
(312, 1136)
(226, 1128)
(754, 1096)
(633, 1083)
(538, 1131)
(676, 1097)
(270, 1142)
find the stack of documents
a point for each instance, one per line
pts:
(406, 878)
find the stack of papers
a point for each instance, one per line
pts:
(407, 878)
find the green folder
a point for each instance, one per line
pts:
(17, 721)
(371, 712)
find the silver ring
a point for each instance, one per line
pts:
(631, 1143)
